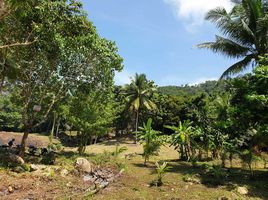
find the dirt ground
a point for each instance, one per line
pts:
(33, 139)
(135, 182)
(35, 187)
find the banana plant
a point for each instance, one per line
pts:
(181, 138)
(150, 139)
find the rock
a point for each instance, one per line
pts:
(91, 188)
(15, 159)
(242, 190)
(33, 167)
(193, 180)
(10, 189)
(186, 187)
(103, 184)
(69, 184)
(17, 187)
(89, 178)
(83, 165)
(64, 172)
(75, 172)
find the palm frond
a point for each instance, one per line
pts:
(238, 67)
(226, 46)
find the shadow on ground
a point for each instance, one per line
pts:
(256, 184)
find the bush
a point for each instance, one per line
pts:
(54, 146)
(49, 158)
(161, 171)
(217, 174)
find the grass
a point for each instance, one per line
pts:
(135, 183)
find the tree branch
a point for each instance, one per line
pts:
(17, 44)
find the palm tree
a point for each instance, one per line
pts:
(138, 94)
(246, 31)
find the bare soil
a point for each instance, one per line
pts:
(33, 139)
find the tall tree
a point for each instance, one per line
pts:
(139, 93)
(68, 52)
(245, 29)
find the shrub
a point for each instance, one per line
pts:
(150, 139)
(161, 171)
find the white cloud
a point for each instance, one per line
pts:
(122, 78)
(193, 11)
(203, 80)
(178, 80)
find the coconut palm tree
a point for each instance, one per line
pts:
(245, 29)
(138, 94)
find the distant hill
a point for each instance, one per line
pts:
(187, 90)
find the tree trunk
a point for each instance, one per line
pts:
(57, 129)
(96, 139)
(52, 129)
(200, 154)
(231, 159)
(23, 142)
(223, 159)
(136, 126)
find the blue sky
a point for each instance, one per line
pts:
(158, 38)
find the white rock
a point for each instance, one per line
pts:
(242, 190)
(33, 167)
(64, 172)
(15, 159)
(83, 165)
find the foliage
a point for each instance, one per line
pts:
(119, 150)
(138, 94)
(245, 28)
(248, 157)
(10, 114)
(66, 52)
(181, 139)
(150, 139)
(161, 171)
(217, 173)
(91, 113)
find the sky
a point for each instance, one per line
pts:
(159, 38)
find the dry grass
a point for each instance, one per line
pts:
(135, 183)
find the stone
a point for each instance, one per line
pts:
(242, 190)
(186, 187)
(69, 184)
(83, 165)
(15, 159)
(193, 180)
(64, 172)
(33, 167)
(10, 189)
(103, 184)
(88, 178)
(75, 172)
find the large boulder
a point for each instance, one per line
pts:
(83, 165)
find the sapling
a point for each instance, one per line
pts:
(161, 171)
